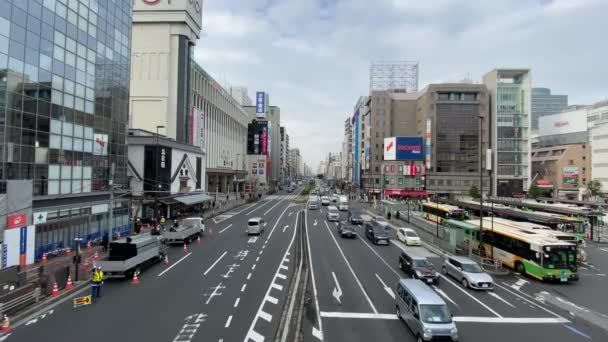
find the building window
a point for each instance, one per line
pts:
(400, 181)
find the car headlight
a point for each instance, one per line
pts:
(427, 333)
(418, 273)
(454, 332)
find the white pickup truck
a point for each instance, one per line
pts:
(188, 230)
(132, 254)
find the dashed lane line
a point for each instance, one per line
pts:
(221, 231)
(227, 325)
(175, 263)
(236, 302)
(318, 333)
(472, 297)
(215, 263)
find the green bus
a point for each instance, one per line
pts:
(527, 251)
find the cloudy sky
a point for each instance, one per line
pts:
(313, 56)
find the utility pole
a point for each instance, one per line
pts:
(111, 205)
(481, 184)
(157, 186)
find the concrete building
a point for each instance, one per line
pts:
(284, 156)
(448, 116)
(347, 151)
(510, 111)
(164, 35)
(294, 164)
(223, 124)
(359, 146)
(272, 118)
(64, 109)
(544, 103)
(598, 141)
(241, 95)
(163, 168)
(562, 170)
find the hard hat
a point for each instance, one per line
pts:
(99, 267)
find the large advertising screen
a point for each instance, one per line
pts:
(403, 148)
(260, 104)
(570, 122)
(570, 176)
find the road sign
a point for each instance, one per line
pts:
(80, 301)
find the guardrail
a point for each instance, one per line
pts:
(19, 299)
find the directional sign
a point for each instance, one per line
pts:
(80, 301)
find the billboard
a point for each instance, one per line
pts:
(570, 176)
(193, 8)
(403, 148)
(260, 104)
(427, 135)
(563, 123)
(356, 155)
(197, 127)
(100, 144)
(18, 246)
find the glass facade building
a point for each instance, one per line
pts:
(544, 103)
(64, 90)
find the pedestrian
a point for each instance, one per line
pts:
(96, 282)
(104, 243)
(163, 220)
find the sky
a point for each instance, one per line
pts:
(313, 56)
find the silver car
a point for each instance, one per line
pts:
(468, 273)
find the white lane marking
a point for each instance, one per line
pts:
(215, 292)
(444, 295)
(228, 322)
(215, 263)
(249, 276)
(290, 213)
(357, 315)
(337, 289)
(277, 286)
(282, 276)
(468, 294)
(279, 202)
(236, 302)
(533, 320)
(527, 300)
(604, 249)
(243, 287)
(252, 239)
(315, 223)
(265, 316)
(351, 269)
(318, 333)
(257, 259)
(221, 231)
(275, 225)
(491, 293)
(284, 267)
(386, 288)
(272, 299)
(253, 267)
(2, 338)
(381, 258)
(260, 206)
(175, 263)
(286, 260)
(251, 333)
(286, 226)
(519, 283)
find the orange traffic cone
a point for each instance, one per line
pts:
(198, 240)
(44, 258)
(89, 244)
(166, 261)
(86, 265)
(96, 256)
(6, 325)
(68, 251)
(55, 292)
(210, 232)
(135, 280)
(69, 285)
(185, 248)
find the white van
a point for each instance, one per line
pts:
(255, 225)
(424, 312)
(343, 203)
(313, 202)
(333, 214)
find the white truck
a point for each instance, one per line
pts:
(343, 203)
(188, 230)
(132, 254)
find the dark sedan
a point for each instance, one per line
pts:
(347, 230)
(354, 217)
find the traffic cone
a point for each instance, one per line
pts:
(185, 248)
(166, 261)
(55, 292)
(44, 258)
(69, 285)
(86, 265)
(135, 280)
(210, 232)
(68, 251)
(89, 244)
(6, 325)
(96, 256)
(198, 240)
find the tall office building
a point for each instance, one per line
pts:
(510, 98)
(544, 103)
(241, 95)
(164, 35)
(64, 91)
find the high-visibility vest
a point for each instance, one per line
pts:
(97, 276)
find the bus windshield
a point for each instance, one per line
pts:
(457, 214)
(561, 257)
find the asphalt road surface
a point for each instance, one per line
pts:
(355, 285)
(230, 287)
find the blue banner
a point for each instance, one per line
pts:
(409, 148)
(260, 102)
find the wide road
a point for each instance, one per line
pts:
(355, 283)
(230, 287)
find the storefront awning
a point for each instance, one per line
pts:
(193, 199)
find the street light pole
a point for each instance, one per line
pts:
(481, 184)
(157, 161)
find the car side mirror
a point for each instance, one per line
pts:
(416, 315)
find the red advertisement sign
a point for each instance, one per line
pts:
(16, 221)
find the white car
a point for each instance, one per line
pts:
(409, 237)
(324, 200)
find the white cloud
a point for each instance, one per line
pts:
(313, 56)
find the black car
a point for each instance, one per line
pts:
(377, 234)
(346, 229)
(418, 267)
(354, 217)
